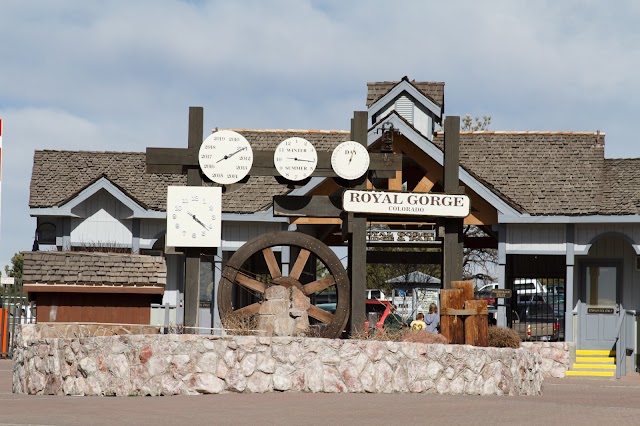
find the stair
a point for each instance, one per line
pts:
(593, 363)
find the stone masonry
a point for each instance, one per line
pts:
(189, 365)
(284, 312)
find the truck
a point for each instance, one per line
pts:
(536, 321)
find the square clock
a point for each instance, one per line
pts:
(194, 216)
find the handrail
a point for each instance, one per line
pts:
(620, 344)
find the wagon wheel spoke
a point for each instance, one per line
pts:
(250, 283)
(318, 285)
(272, 263)
(298, 266)
(248, 310)
(320, 314)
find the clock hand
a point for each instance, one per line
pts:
(193, 216)
(232, 154)
(300, 159)
(351, 158)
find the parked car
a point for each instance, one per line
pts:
(375, 294)
(536, 321)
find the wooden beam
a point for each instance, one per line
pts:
(395, 183)
(174, 160)
(404, 257)
(308, 206)
(357, 240)
(452, 247)
(316, 221)
(425, 185)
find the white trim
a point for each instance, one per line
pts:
(539, 252)
(396, 91)
(526, 218)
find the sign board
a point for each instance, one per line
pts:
(401, 236)
(501, 293)
(600, 310)
(406, 203)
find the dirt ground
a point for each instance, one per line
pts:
(564, 401)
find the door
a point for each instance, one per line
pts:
(599, 304)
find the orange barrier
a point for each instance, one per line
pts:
(4, 330)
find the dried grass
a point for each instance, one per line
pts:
(424, 336)
(239, 325)
(503, 337)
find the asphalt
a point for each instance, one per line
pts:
(569, 401)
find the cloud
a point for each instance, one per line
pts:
(115, 75)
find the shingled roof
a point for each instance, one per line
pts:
(58, 176)
(432, 90)
(621, 189)
(94, 269)
(546, 173)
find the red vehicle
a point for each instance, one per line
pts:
(380, 308)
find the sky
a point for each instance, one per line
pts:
(121, 75)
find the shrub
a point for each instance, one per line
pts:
(424, 336)
(502, 337)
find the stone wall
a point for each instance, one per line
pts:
(188, 364)
(556, 356)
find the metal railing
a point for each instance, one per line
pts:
(14, 310)
(624, 339)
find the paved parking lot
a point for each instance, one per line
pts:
(564, 401)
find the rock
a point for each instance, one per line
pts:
(274, 307)
(259, 382)
(284, 326)
(314, 376)
(276, 292)
(299, 300)
(208, 362)
(236, 380)
(266, 364)
(207, 383)
(248, 364)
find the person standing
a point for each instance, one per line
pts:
(393, 321)
(432, 319)
(418, 324)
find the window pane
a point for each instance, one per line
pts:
(601, 285)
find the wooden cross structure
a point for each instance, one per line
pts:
(185, 161)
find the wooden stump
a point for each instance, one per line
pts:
(476, 326)
(466, 287)
(451, 326)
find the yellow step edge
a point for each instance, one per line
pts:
(590, 373)
(592, 352)
(593, 359)
(600, 366)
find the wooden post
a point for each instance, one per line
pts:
(451, 326)
(452, 246)
(192, 256)
(358, 242)
(476, 327)
(466, 287)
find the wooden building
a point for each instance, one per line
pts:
(68, 286)
(555, 209)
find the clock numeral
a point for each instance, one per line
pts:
(184, 233)
(178, 208)
(194, 198)
(213, 216)
(175, 216)
(245, 158)
(241, 167)
(204, 233)
(177, 226)
(193, 235)
(211, 209)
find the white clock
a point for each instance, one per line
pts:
(295, 158)
(350, 160)
(225, 157)
(194, 216)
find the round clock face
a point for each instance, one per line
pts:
(194, 216)
(350, 160)
(225, 157)
(295, 158)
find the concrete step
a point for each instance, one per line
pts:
(595, 359)
(600, 367)
(574, 373)
(595, 352)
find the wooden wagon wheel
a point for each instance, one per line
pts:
(237, 273)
